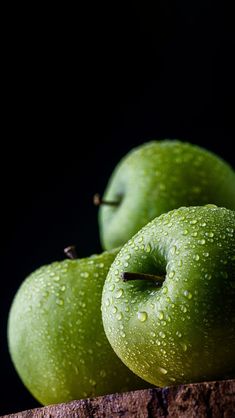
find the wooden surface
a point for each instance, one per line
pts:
(209, 399)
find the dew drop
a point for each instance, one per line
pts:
(148, 248)
(142, 316)
(160, 315)
(103, 373)
(185, 232)
(171, 274)
(196, 257)
(202, 241)
(59, 302)
(187, 294)
(162, 334)
(162, 370)
(92, 382)
(119, 316)
(184, 346)
(119, 293)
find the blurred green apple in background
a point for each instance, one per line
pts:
(169, 299)
(156, 177)
(56, 337)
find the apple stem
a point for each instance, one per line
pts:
(71, 252)
(127, 276)
(97, 200)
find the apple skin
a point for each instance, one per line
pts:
(157, 177)
(184, 330)
(56, 337)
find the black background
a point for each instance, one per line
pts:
(81, 87)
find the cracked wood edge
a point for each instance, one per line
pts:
(207, 399)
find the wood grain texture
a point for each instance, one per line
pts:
(207, 399)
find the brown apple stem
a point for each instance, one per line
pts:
(98, 201)
(127, 276)
(71, 252)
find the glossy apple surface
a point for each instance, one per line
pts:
(56, 337)
(177, 327)
(159, 176)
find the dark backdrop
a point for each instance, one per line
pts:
(81, 88)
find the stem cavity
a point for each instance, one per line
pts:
(127, 276)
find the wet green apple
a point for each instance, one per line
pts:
(56, 337)
(159, 176)
(168, 302)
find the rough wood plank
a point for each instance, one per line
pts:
(209, 399)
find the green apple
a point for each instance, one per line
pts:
(156, 177)
(56, 337)
(168, 302)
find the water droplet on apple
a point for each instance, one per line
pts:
(187, 294)
(179, 334)
(202, 241)
(142, 316)
(184, 346)
(196, 257)
(85, 274)
(63, 288)
(148, 248)
(173, 249)
(114, 310)
(160, 315)
(185, 232)
(162, 334)
(57, 278)
(119, 316)
(60, 302)
(119, 294)
(162, 370)
(103, 373)
(92, 382)
(107, 302)
(111, 287)
(171, 274)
